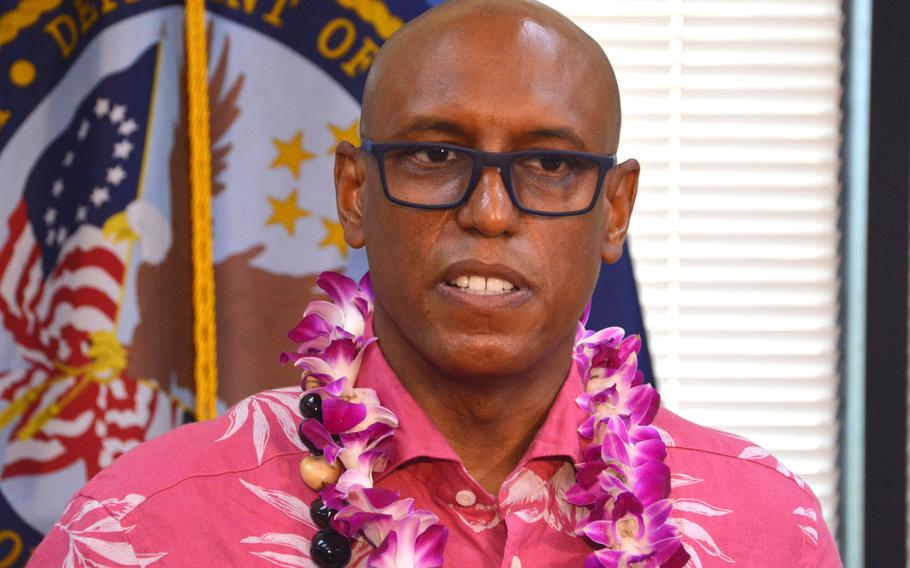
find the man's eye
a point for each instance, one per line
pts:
(435, 155)
(551, 163)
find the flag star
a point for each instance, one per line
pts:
(83, 129)
(118, 113)
(51, 237)
(350, 134)
(100, 196)
(68, 159)
(102, 106)
(50, 216)
(57, 188)
(61, 235)
(81, 213)
(128, 127)
(115, 175)
(334, 236)
(286, 212)
(290, 154)
(123, 149)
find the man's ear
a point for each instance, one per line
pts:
(621, 187)
(350, 188)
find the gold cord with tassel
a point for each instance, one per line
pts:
(200, 169)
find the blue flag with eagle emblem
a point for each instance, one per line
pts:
(96, 350)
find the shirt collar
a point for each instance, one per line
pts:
(418, 438)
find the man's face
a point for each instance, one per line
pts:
(499, 92)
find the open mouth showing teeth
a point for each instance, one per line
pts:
(482, 286)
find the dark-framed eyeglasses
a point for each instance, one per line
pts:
(554, 183)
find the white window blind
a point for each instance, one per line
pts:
(733, 109)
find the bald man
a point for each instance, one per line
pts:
(486, 193)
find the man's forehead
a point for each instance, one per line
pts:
(468, 52)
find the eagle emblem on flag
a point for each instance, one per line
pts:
(63, 267)
(96, 344)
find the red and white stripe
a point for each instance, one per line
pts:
(51, 318)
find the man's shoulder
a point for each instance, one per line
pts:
(724, 486)
(237, 476)
(691, 445)
(258, 429)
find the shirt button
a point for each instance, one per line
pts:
(465, 498)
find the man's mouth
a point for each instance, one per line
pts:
(482, 285)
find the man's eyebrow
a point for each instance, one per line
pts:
(441, 126)
(433, 125)
(564, 134)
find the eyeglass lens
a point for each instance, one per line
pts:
(439, 176)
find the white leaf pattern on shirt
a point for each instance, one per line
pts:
(692, 530)
(784, 470)
(292, 550)
(806, 512)
(299, 545)
(664, 436)
(526, 496)
(531, 499)
(96, 537)
(260, 431)
(281, 403)
(484, 517)
(754, 453)
(701, 537)
(284, 502)
(681, 480)
(811, 532)
(699, 507)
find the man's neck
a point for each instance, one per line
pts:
(490, 432)
(491, 421)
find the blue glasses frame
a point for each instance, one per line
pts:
(481, 160)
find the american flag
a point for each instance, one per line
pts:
(62, 272)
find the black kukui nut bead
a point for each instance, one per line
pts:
(330, 549)
(311, 406)
(314, 450)
(321, 514)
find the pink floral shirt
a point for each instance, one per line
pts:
(227, 492)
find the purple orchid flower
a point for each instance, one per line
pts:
(374, 512)
(637, 537)
(359, 467)
(314, 431)
(314, 332)
(339, 415)
(377, 514)
(591, 342)
(324, 322)
(341, 359)
(347, 410)
(334, 499)
(354, 301)
(617, 393)
(407, 546)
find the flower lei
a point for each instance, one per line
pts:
(622, 481)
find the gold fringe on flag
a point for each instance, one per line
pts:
(206, 370)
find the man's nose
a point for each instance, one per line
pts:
(489, 210)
